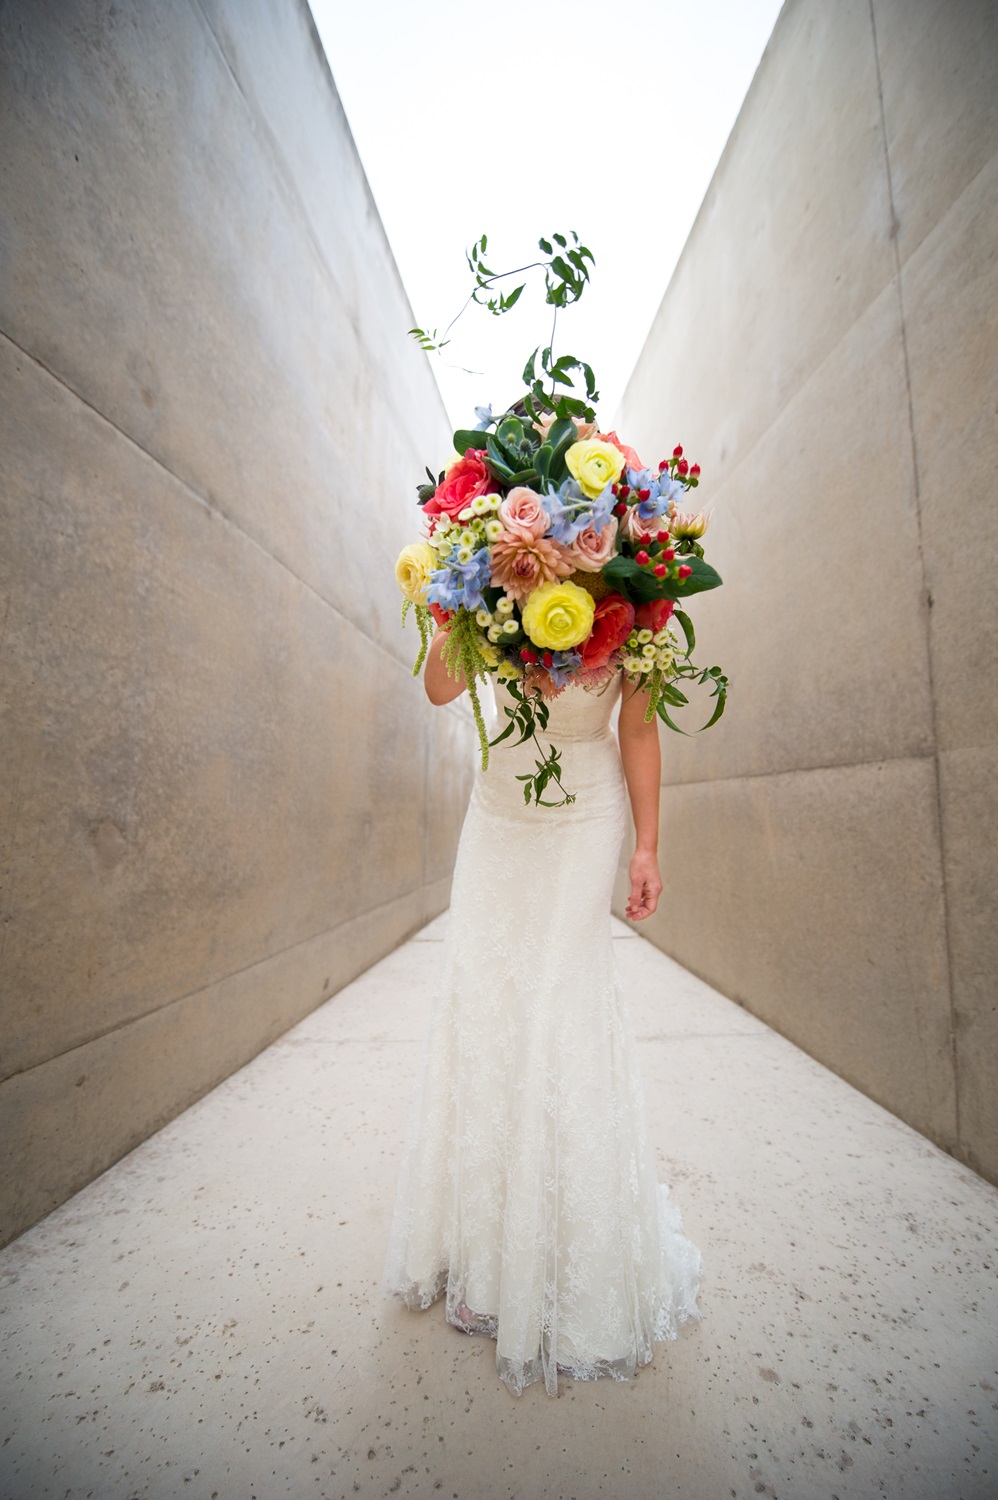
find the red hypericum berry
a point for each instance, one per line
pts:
(663, 465)
(669, 554)
(685, 571)
(677, 452)
(527, 655)
(683, 466)
(660, 570)
(644, 494)
(624, 491)
(663, 537)
(642, 558)
(547, 659)
(646, 538)
(620, 509)
(694, 469)
(614, 488)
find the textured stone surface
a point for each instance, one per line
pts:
(774, 855)
(223, 794)
(937, 64)
(206, 1317)
(827, 351)
(792, 238)
(810, 625)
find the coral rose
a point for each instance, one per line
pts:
(442, 616)
(465, 480)
(522, 564)
(523, 515)
(654, 615)
(592, 548)
(612, 624)
(631, 459)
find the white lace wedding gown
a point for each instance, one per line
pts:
(528, 1191)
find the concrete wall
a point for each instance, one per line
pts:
(828, 350)
(216, 803)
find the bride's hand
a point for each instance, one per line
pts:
(646, 885)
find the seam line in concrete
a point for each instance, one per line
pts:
(843, 765)
(926, 595)
(255, 963)
(206, 505)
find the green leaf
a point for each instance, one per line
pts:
(465, 439)
(686, 624)
(560, 239)
(528, 369)
(511, 298)
(702, 577)
(672, 695)
(560, 430)
(542, 462)
(546, 246)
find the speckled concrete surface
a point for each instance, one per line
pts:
(205, 1319)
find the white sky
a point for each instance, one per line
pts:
(528, 117)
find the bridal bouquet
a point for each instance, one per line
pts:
(551, 554)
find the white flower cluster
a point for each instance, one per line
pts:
(500, 627)
(645, 651)
(479, 527)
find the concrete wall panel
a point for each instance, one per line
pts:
(754, 866)
(830, 843)
(818, 524)
(220, 775)
(800, 184)
(193, 255)
(950, 287)
(937, 66)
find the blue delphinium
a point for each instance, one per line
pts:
(485, 418)
(571, 512)
(563, 664)
(460, 583)
(661, 490)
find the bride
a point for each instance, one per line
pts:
(528, 1192)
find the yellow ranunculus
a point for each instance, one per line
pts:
(558, 616)
(412, 571)
(594, 465)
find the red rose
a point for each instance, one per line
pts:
(468, 479)
(442, 616)
(613, 620)
(654, 615)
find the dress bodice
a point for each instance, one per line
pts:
(578, 713)
(579, 729)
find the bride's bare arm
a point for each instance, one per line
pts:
(440, 688)
(641, 757)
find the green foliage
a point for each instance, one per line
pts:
(530, 714)
(640, 584)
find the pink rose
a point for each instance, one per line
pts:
(613, 622)
(468, 479)
(634, 528)
(583, 430)
(592, 548)
(523, 515)
(631, 459)
(521, 564)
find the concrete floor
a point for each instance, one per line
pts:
(206, 1320)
